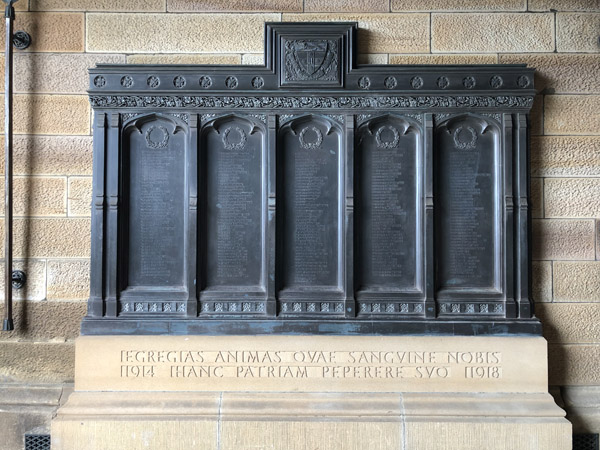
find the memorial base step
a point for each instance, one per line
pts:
(313, 393)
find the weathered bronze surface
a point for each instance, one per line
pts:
(311, 195)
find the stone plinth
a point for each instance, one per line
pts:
(304, 392)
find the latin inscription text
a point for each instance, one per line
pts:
(311, 364)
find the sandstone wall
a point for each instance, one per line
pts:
(53, 143)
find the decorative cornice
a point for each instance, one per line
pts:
(318, 102)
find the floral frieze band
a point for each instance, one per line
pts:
(317, 102)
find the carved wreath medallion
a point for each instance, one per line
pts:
(313, 131)
(416, 82)
(523, 81)
(99, 81)
(179, 81)
(469, 82)
(127, 81)
(153, 81)
(443, 82)
(364, 82)
(390, 82)
(258, 82)
(152, 140)
(308, 60)
(229, 144)
(458, 137)
(496, 81)
(231, 82)
(393, 143)
(205, 82)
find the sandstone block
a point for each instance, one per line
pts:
(235, 6)
(537, 198)
(149, 432)
(537, 116)
(577, 281)
(561, 73)
(381, 33)
(51, 114)
(295, 435)
(80, 196)
(44, 362)
(253, 59)
(371, 6)
(372, 58)
(598, 240)
(572, 197)
(491, 33)
(25, 407)
(577, 32)
(501, 435)
(191, 58)
(57, 73)
(572, 114)
(363, 58)
(176, 33)
(444, 59)
(53, 32)
(46, 320)
(35, 287)
(573, 364)
(570, 323)
(68, 279)
(564, 5)
(582, 404)
(97, 5)
(564, 156)
(563, 239)
(518, 374)
(541, 277)
(458, 5)
(55, 238)
(37, 196)
(50, 155)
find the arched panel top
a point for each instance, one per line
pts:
(217, 123)
(405, 124)
(481, 124)
(137, 122)
(296, 124)
(388, 129)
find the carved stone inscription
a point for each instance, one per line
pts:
(233, 151)
(309, 183)
(316, 364)
(466, 204)
(386, 209)
(311, 364)
(156, 204)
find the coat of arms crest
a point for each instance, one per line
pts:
(311, 60)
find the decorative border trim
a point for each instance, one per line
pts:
(296, 102)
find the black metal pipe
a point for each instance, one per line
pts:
(9, 14)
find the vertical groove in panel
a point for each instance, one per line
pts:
(96, 306)
(113, 169)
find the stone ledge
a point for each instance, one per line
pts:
(25, 407)
(294, 421)
(583, 407)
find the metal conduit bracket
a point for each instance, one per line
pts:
(21, 40)
(18, 279)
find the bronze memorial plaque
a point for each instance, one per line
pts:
(311, 195)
